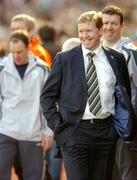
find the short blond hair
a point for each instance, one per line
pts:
(27, 19)
(91, 16)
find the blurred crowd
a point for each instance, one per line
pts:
(62, 14)
(56, 19)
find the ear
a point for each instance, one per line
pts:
(122, 27)
(31, 33)
(101, 31)
(28, 47)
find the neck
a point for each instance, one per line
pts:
(110, 44)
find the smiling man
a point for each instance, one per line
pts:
(113, 29)
(78, 102)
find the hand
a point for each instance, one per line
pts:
(47, 142)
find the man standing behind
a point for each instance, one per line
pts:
(27, 23)
(113, 28)
(23, 130)
(81, 82)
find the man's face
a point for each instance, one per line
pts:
(89, 35)
(21, 25)
(112, 28)
(18, 25)
(19, 52)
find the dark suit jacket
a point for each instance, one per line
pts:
(66, 85)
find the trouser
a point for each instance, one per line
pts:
(18, 169)
(124, 166)
(54, 164)
(30, 155)
(89, 153)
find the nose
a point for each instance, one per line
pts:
(85, 34)
(108, 26)
(15, 55)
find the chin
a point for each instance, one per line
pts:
(109, 38)
(18, 63)
(87, 46)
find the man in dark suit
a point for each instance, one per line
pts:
(81, 120)
(113, 29)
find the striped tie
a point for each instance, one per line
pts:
(93, 88)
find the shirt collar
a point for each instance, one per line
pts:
(96, 51)
(119, 44)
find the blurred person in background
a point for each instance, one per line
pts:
(113, 29)
(4, 37)
(27, 23)
(48, 34)
(70, 43)
(23, 129)
(3, 50)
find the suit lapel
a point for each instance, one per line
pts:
(112, 60)
(80, 67)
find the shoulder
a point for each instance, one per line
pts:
(40, 63)
(115, 57)
(112, 51)
(71, 52)
(4, 62)
(68, 56)
(131, 50)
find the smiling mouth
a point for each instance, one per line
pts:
(87, 41)
(110, 32)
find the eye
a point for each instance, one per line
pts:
(80, 31)
(105, 23)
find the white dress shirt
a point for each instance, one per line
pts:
(106, 82)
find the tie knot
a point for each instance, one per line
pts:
(91, 54)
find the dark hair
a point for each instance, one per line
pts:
(3, 50)
(111, 10)
(20, 36)
(47, 33)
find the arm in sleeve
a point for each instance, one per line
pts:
(50, 95)
(132, 67)
(125, 74)
(131, 64)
